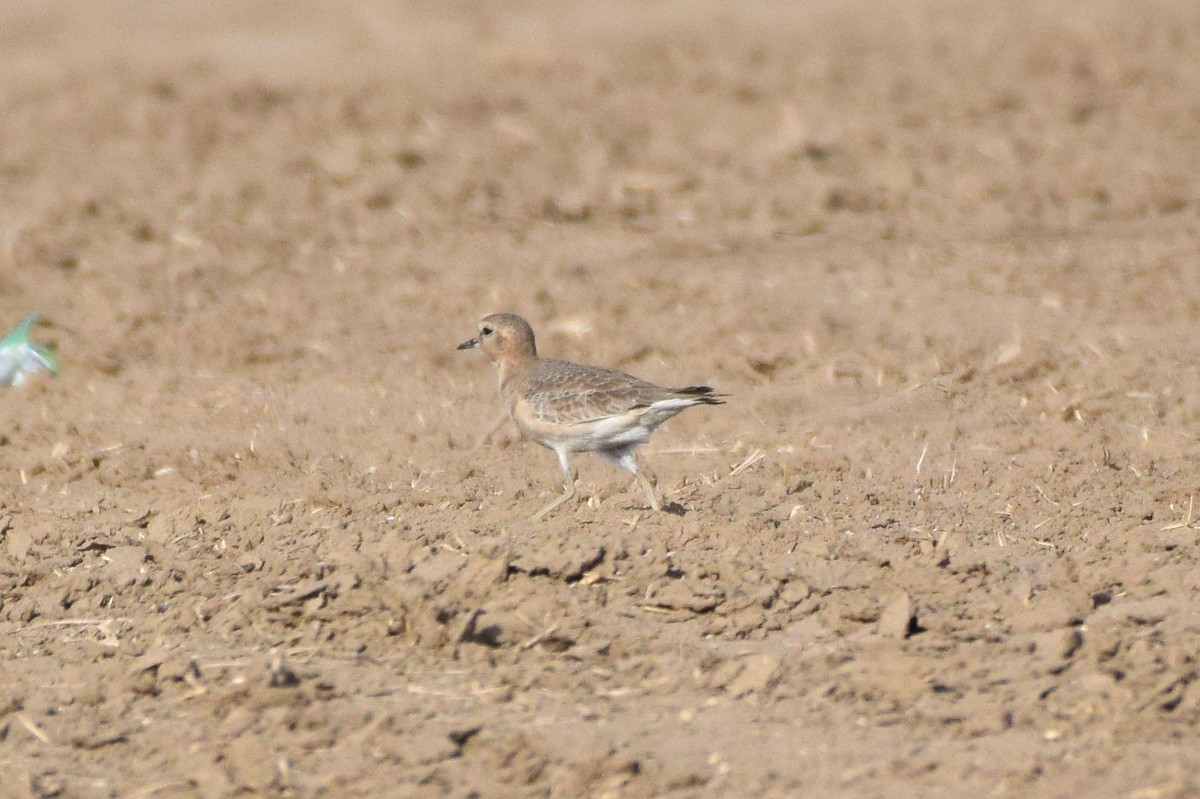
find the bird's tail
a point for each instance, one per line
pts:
(703, 395)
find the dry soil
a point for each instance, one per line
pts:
(943, 255)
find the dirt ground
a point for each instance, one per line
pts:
(943, 255)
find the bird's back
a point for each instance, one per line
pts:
(562, 392)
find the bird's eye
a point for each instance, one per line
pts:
(486, 330)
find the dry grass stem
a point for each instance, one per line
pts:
(1187, 522)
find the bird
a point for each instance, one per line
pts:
(569, 407)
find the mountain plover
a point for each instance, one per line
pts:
(569, 407)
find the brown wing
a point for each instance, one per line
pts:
(561, 392)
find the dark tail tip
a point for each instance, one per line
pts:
(705, 394)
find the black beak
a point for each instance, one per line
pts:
(469, 344)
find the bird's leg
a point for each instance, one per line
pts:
(566, 495)
(625, 459)
(568, 486)
(649, 489)
(486, 438)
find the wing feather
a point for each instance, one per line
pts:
(561, 392)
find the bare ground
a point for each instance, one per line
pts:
(942, 539)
